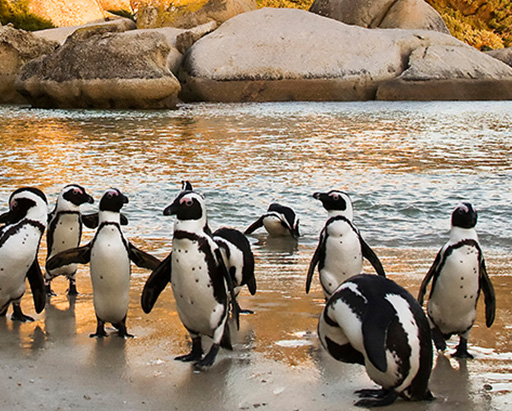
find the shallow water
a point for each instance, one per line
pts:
(406, 166)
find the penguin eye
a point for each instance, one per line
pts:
(188, 202)
(335, 197)
(76, 191)
(14, 204)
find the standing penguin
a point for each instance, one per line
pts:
(109, 254)
(279, 221)
(238, 259)
(458, 275)
(200, 282)
(20, 237)
(341, 248)
(65, 231)
(370, 320)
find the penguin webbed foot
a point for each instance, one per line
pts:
(195, 355)
(438, 339)
(100, 330)
(18, 315)
(49, 291)
(462, 350)
(209, 358)
(375, 398)
(72, 291)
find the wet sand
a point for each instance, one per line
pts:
(277, 363)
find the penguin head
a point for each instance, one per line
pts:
(72, 196)
(336, 203)
(188, 206)
(113, 200)
(26, 202)
(464, 216)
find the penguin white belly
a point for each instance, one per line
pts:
(452, 306)
(110, 275)
(349, 325)
(65, 236)
(274, 226)
(193, 290)
(343, 256)
(16, 256)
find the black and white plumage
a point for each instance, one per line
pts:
(202, 286)
(238, 258)
(371, 320)
(109, 254)
(279, 221)
(65, 232)
(341, 248)
(20, 237)
(458, 274)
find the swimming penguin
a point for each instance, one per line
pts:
(109, 254)
(458, 275)
(201, 284)
(279, 221)
(371, 320)
(341, 248)
(238, 258)
(20, 237)
(65, 231)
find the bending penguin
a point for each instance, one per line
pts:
(20, 237)
(65, 231)
(458, 274)
(341, 248)
(201, 284)
(370, 320)
(279, 221)
(109, 254)
(238, 259)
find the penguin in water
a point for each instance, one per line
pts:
(200, 281)
(279, 221)
(65, 231)
(371, 320)
(238, 259)
(458, 274)
(341, 248)
(109, 254)
(20, 237)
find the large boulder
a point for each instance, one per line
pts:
(17, 47)
(405, 14)
(285, 54)
(98, 68)
(505, 55)
(189, 13)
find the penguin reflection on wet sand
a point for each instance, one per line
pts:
(65, 231)
(20, 237)
(458, 274)
(109, 254)
(371, 320)
(279, 221)
(341, 248)
(202, 286)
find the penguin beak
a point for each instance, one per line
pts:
(89, 199)
(172, 209)
(320, 196)
(5, 218)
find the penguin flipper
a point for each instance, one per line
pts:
(156, 283)
(254, 226)
(374, 329)
(36, 281)
(79, 255)
(489, 295)
(424, 284)
(314, 261)
(231, 287)
(142, 259)
(91, 220)
(370, 255)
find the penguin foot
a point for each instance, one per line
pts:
(17, 315)
(376, 398)
(194, 355)
(439, 340)
(462, 350)
(188, 357)
(245, 311)
(49, 291)
(72, 290)
(209, 358)
(98, 334)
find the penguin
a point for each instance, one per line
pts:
(109, 254)
(458, 274)
(201, 284)
(238, 259)
(65, 231)
(279, 221)
(20, 238)
(372, 321)
(341, 248)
